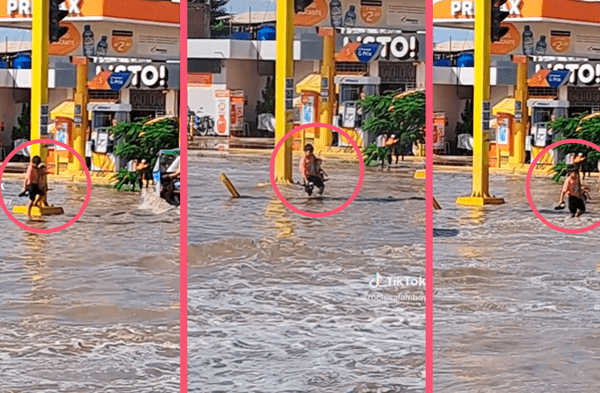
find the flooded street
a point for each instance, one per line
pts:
(283, 303)
(516, 304)
(92, 308)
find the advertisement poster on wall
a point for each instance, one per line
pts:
(61, 133)
(363, 13)
(237, 110)
(96, 40)
(223, 105)
(439, 130)
(502, 134)
(308, 110)
(98, 28)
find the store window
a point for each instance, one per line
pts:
(147, 103)
(397, 77)
(583, 100)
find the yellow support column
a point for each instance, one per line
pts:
(481, 172)
(284, 87)
(39, 72)
(327, 73)
(521, 95)
(81, 117)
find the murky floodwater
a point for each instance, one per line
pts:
(516, 304)
(279, 302)
(95, 307)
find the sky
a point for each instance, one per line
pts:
(14, 34)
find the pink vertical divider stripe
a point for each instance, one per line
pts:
(183, 71)
(429, 200)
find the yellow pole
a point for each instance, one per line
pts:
(81, 100)
(284, 85)
(39, 71)
(521, 95)
(327, 72)
(483, 25)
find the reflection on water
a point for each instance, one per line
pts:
(516, 304)
(92, 308)
(277, 301)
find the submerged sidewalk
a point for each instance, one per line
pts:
(462, 164)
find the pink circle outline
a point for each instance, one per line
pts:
(360, 178)
(528, 186)
(87, 196)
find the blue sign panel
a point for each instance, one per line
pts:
(557, 78)
(118, 80)
(366, 52)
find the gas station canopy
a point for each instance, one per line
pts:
(541, 28)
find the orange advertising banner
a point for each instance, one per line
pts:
(137, 10)
(510, 42)
(200, 79)
(559, 10)
(68, 43)
(391, 14)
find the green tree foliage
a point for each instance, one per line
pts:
(378, 118)
(142, 141)
(402, 115)
(466, 124)
(23, 128)
(577, 127)
(408, 116)
(267, 105)
(218, 8)
(374, 155)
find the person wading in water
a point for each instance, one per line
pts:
(31, 185)
(311, 172)
(573, 190)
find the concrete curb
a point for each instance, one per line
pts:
(96, 180)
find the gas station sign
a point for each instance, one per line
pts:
(363, 13)
(401, 47)
(141, 76)
(108, 27)
(573, 74)
(537, 28)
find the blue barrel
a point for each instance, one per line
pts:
(442, 63)
(465, 60)
(242, 36)
(22, 62)
(3, 64)
(267, 33)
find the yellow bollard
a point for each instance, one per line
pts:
(230, 186)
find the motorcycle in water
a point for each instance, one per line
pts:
(203, 125)
(167, 187)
